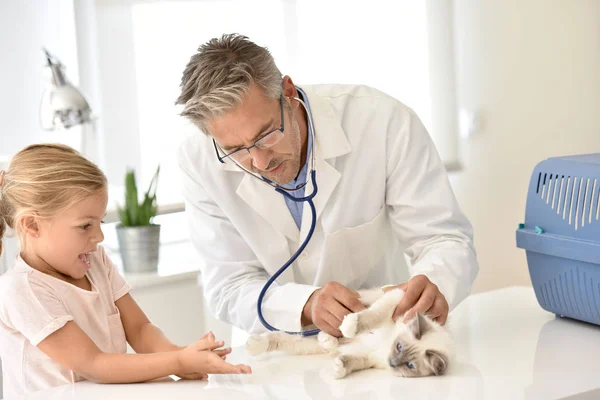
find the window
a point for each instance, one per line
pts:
(402, 48)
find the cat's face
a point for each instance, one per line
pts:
(410, 355)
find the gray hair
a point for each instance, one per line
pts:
(218, 76)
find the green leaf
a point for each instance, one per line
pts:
(125, 221)
(131, 198)
(153, 184)
(135, 213)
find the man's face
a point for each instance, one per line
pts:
(248, 122)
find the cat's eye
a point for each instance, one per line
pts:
(399, 348)
(410, 365)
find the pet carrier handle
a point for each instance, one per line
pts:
(558, 246)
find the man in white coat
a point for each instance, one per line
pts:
(384, 200)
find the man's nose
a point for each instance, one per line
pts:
(260, 158)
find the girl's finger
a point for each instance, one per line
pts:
(223, 352)
(207, 344)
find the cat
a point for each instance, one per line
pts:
(371, 339)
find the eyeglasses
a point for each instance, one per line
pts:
(266, 141)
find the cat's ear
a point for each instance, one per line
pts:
(419, 325)
(415, 326)
(424, 323)
(437, 361)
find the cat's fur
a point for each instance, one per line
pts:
(371, 339)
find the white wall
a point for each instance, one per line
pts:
(25, 27)
(533, 70)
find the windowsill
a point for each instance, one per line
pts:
(112, 214)
(178, 259)
(175, 264)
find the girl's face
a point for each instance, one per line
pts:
(63, 244)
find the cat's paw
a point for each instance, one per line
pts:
(338, 368)
(349, 325)
(257, 344)
(327, 342)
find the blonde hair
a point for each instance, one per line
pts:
(221, 72)
(44, 180)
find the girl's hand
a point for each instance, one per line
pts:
(196, 376)
(206, 357)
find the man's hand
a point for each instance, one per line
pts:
(421, 296)
(327, 307)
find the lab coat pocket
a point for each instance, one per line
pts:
(351, 253)
(117, 333)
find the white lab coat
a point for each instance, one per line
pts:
(383, 192)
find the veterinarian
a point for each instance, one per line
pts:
(384, 212)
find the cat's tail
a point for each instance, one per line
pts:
(281, 341)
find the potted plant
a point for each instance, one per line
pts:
(138, 237)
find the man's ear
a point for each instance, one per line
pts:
(288, 89)
(29, 225)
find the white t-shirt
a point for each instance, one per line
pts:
(33, 305)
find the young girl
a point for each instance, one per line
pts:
(65, 312)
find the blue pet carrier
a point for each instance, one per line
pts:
(561, 236)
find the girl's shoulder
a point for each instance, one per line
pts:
(21, 287)
(12, 282)
(19, 278)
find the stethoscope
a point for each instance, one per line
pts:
(286, 192)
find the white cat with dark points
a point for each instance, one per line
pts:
(421, 347)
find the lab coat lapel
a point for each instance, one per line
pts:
(331, 143)
(327, 179)
(269, 204)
